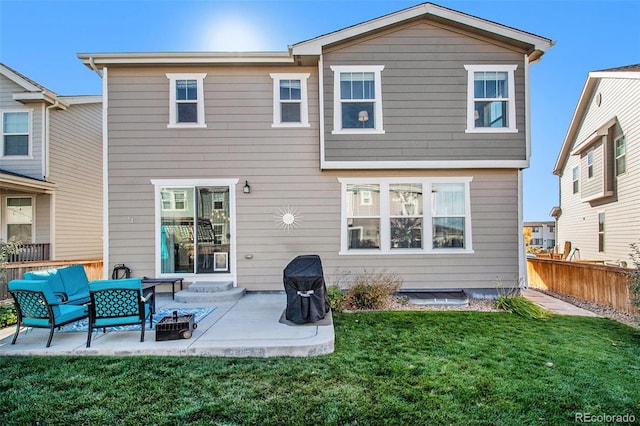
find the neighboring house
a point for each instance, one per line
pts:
(50, 170)
(397, 144)
(599, 168)
(541, 234)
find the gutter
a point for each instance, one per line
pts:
(93, 66)
(47, 135)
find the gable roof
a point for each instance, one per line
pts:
(33, 92)
(594, 77)
(534, 45)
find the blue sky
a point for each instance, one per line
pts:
(41, 39)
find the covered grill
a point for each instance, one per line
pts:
(307, 299)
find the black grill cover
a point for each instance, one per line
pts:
(307, 299)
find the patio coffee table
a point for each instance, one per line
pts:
(156, 281)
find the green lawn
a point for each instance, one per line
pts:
(400, 368)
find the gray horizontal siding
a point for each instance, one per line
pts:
(32, 166)
(424, 92)
(76, 167)
(282, 167)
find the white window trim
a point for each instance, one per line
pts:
(173, 124)
(304, 102)
(385, 232)
(511, 100)
(603, 232)
(573, 179)
(29, 135)
(617, 157)
(377, 102)
(5, 215)
(188, 183)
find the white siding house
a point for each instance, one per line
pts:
(599, 168)
(50, 170)
(542, 234)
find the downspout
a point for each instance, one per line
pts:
(522, 258)
(45, 167)
(105, 172)
(321, 109)
(105, 176)
(93, 66)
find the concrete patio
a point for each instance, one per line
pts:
(249, 327)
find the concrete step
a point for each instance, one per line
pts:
(211, 286)
(212, 297)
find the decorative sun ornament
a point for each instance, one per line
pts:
(288, 218)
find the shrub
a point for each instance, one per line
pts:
(336, 298)
(522, 306)
(8, 315)
(370, 290)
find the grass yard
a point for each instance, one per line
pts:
(396, 368)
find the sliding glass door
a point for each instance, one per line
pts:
(195, 234)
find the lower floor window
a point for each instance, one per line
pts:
(19, 219)
(395, 215)
(601, 232)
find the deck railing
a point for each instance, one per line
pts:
(31, 253)
(93, 268)
(602, 284)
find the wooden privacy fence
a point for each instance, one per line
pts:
(15, 271)
(602, 284)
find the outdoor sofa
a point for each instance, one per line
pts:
(68, 283)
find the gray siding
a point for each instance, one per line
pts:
(32, 166)
(424, 92)
(579, 220)
(282, 167)
(76, 167)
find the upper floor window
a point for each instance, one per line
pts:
(15, 133)
(186, 104)
(491, 98)
(590, 164)
(290, 104)
(576, 179)
(357, 99)
(393, 215)
(621, 156)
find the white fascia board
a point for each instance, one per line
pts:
(76, 100)
(50, 98)
(459, 164)
(26, 184)
(615, 74)
(18, 79)
(104, 59)
(576, 120)
(314, 46)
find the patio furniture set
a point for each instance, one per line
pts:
(56, 297)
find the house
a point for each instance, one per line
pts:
(599, 169)
(541, 234)
(397, 144)
(50, 170)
